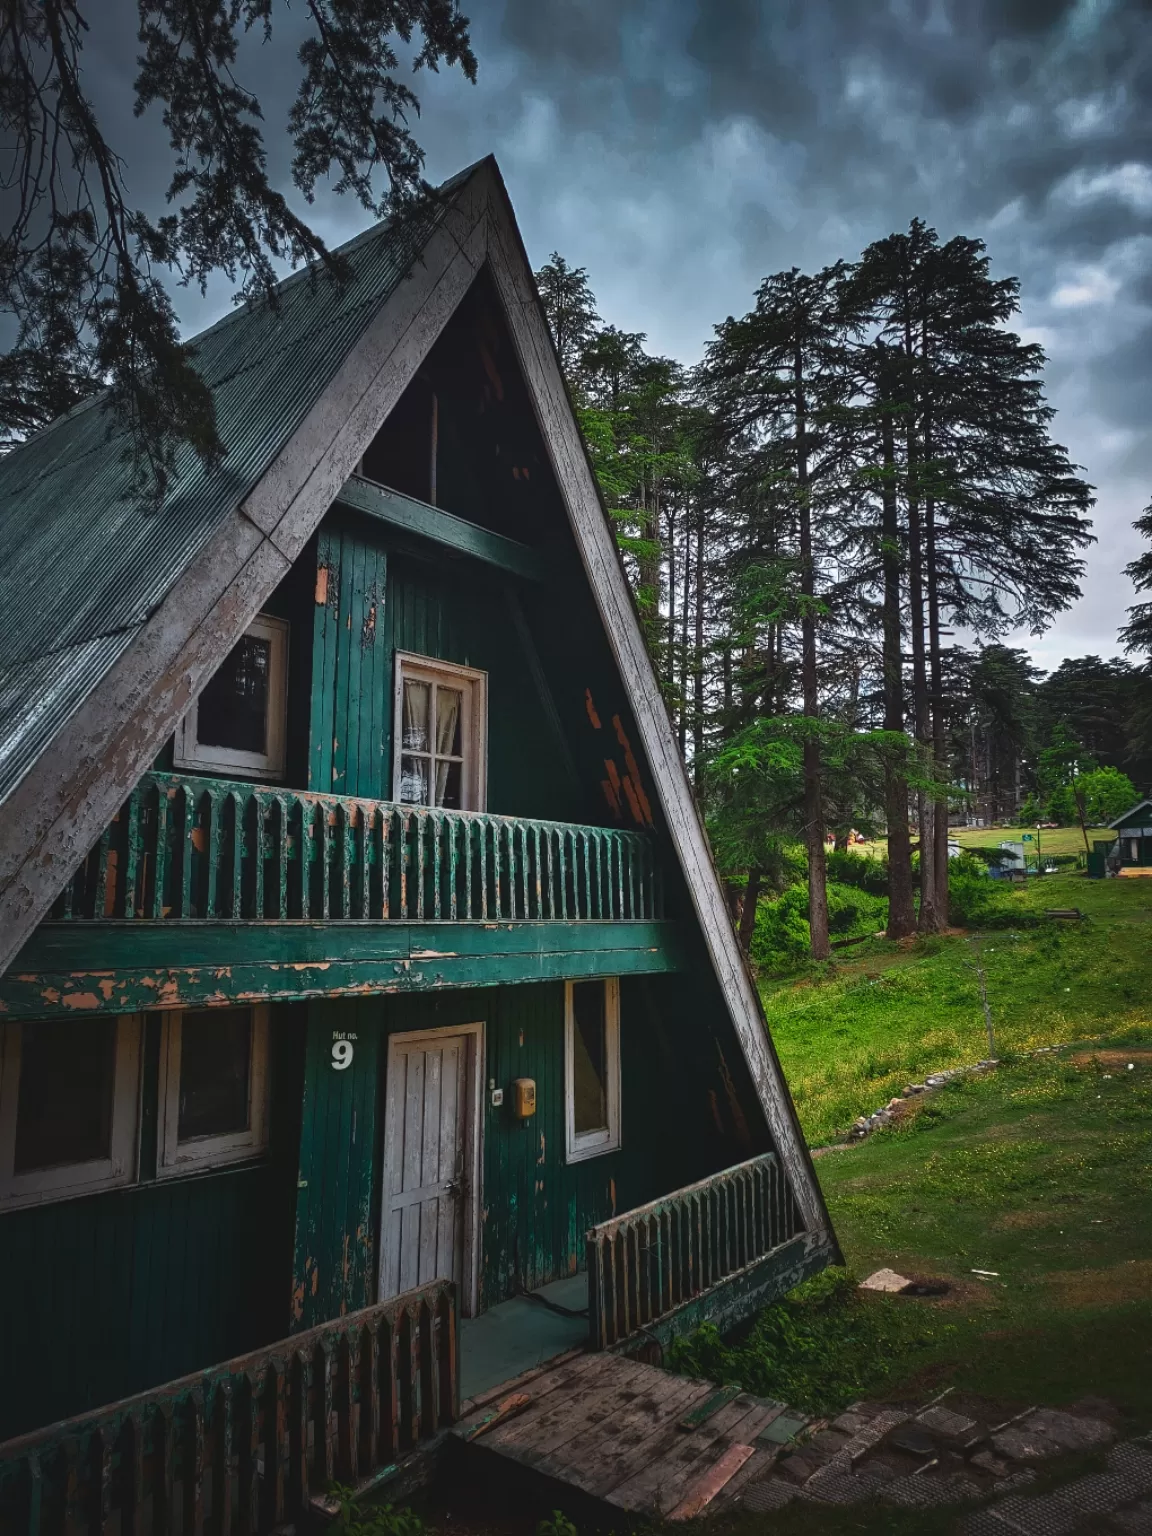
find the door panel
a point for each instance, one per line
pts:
(427, 1163)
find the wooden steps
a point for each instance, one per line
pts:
(629, 1436)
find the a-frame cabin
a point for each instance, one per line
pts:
(365, 968)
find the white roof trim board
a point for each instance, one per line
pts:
(99, 754)
(1139, 806)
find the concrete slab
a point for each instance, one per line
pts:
(570, 1293)
(514, 1337)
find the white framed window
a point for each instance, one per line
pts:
(238, 722)
(69, 1107)
(213, 1088)
(440, 734)
(591, 1067)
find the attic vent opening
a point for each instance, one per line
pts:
(402, 455)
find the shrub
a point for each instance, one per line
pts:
(817, 1349)
(858, 869)
(973, 898)
(781, 939)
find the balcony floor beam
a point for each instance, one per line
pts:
(122, 966)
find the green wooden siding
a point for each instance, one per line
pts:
(105, 1295)
(377, 602)
(333, 1270)
(687, 1110)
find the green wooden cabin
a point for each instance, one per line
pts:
(365, 970)
(1133, 849)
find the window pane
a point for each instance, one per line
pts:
(215, 1063)
(233, 709)
(589, 1057)
(416, 732)
(448, 726)
(414, 781)
(448, 776)
(67, 1083)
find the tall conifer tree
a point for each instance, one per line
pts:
(777, 380)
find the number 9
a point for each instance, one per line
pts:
(341, 1054)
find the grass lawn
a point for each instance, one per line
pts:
(1041, 1172)
(853, 1032)
(1053, 840)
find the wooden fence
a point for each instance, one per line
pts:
(212, 849)
(648, 1262)
(242, 1448)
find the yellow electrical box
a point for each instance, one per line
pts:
(523, 1097)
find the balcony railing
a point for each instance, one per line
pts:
(646, 1263)
(211, 849)
(242, 1448)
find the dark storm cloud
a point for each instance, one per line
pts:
(682, 149)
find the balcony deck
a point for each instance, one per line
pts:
(211, 850)
(205, 891)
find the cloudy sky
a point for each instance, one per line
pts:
(682, 149)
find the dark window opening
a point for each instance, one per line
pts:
(215, 1073)
(67, 1087)
(589, 1057)
(233, 708)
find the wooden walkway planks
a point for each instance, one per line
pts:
(632, 1436)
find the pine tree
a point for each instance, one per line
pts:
(777, 382)
(570, 308)
(80, 265)
(994, 512)
(1136, 635)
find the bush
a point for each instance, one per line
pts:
(974, 899)
(816, 1350)
(858, 869)
(781, 939)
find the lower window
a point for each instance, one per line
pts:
(213, 1088)
(69, 1107)
(70, 1100)
(592, 1067)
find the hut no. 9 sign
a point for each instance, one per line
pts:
(342, 1049)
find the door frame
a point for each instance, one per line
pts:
(469, 1301)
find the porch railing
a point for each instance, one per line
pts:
(646, 1263)
(243, 1447)
(212, 849)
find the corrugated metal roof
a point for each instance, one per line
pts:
(86, 562)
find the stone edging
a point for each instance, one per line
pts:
(866, 1124)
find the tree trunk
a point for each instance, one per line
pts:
(685, 585)
(698, 674)
(939, 766)
(813, 789)
(840, 842)
(901, 907)
(939, 754)
(669, 667)
(748, 907)
(928, 921)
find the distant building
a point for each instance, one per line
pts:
(1133, 852)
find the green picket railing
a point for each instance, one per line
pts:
(183, 847)
(244, 1447)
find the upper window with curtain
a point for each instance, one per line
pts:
(439, 736)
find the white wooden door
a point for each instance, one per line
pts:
(430, 1161)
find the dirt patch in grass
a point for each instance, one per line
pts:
(1107, 1058)
(1015, 1221)
(1129, 1281)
